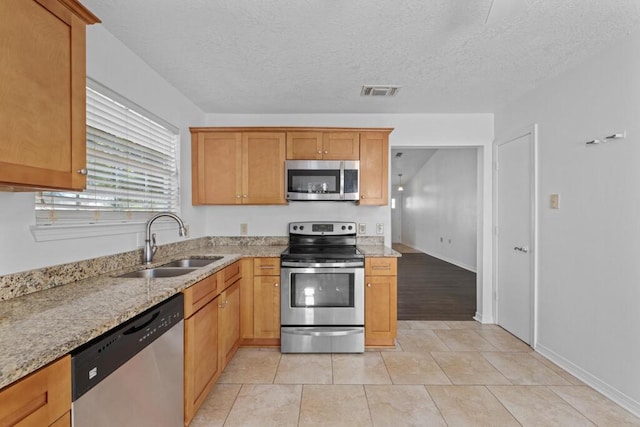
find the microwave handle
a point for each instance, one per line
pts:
(342, 180)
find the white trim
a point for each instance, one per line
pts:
(531, 130)
(607, 390)
(46, 233)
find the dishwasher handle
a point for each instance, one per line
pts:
(134, 328)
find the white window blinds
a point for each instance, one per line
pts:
(131, 170)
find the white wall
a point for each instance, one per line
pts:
(589, 249)
(440, 207)
(112, 64)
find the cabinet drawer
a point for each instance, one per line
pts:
(383, 266)
(40, 398)
(198, 295)
(266, 266)
(231, 274)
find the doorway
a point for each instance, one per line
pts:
(436, 226)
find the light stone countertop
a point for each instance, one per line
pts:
(40, 327)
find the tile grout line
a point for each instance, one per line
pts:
(501, 403)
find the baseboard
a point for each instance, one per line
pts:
(450, 261)
(485, 320)
(609, 391)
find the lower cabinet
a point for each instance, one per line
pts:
(43, 398)
(380, 301)
(229, 323)
(266, 311)
(211, 333)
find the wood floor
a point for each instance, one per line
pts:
(432, 289)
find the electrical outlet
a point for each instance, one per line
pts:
(244, 229)
(362, 228)
(554, 201)
(379, 228)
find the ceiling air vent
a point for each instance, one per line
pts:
(379, 90)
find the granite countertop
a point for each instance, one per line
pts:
(40, 327)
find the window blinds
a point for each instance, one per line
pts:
(131, 170)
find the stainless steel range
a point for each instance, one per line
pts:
(322, 292)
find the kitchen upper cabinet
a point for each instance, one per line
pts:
(233, 168)
(42, 94)
(374, 168)
(380, 301)
(323, 145)
(40, 399)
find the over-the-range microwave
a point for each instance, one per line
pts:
(322, 180)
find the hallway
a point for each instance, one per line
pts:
(432, 289)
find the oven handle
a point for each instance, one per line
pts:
(323, 332)
(322, 264)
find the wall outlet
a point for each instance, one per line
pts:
(244, 229)
(362, 228)
(379, 228)
(554, 201)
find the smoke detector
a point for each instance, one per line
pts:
(376, 90)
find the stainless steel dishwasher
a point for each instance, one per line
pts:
(133, 374)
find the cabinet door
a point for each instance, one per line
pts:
(201, 363)
(381, 312)
(266, 297)
(40, 398)
(263, 173)
(229, 323)
(216, 167)
(374, 168)
(304, 145)
(341, 146)
(42, 94)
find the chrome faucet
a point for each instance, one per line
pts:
(150, 247)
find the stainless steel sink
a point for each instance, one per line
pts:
(192, 262)
(151, 273)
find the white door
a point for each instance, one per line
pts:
(515, 204)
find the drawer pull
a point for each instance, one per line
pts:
(368, 285)
(382, 267)
(276, 285)
(267, 267)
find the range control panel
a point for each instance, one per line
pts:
(322, 228)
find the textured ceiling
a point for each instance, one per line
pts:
(313, 56)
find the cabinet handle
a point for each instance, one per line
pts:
(362, 196)
(238, 196)
(326, 151)
(244, 196)
(368, 285)
(276, 285)
(267, 267)
(319, 151)
(82, 171)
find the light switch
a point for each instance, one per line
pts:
(379, 228)
(554, 201)
(362, 228)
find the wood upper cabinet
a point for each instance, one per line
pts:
(374, 168)
(323, 145)
(42, 94)
(40, 399)
(233, 168)
(380, 301)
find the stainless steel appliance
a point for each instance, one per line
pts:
(322, 180)
(322, 289)
(133, 374)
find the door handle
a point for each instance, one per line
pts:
(521, 249)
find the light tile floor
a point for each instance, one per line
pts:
(440, 374)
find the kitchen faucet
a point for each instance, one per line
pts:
(150, 247)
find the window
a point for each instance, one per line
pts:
(131, 168)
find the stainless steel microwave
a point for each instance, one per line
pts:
(322, 180)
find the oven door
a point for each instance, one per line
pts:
(322, 296)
